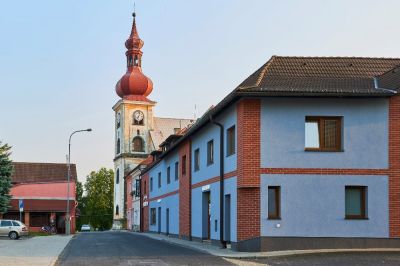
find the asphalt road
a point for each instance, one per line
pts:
(124, 248)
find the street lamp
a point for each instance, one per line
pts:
(67, 218)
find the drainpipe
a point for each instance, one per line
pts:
(221, 182)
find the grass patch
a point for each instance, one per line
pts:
(38, 234)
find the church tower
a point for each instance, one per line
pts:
(133, 120)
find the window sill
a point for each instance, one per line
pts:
(272, 218)
(209, 164)
(229, 155)
(356, 218)
(321, 150)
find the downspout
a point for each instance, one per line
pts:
(221, 182)
(141, 220)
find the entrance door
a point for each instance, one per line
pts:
(227, 218)
(167, 221)
(206, 215)
(159, 220)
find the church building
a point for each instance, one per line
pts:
(137, 131)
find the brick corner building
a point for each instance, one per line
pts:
(43, 189)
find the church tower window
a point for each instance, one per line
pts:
(130, 61)
(117, 177)
(117, 210)
(118, 146)
(138, 144)
(118, 120)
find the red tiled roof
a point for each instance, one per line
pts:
(41, 172)
(42, 205)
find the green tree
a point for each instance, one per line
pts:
(81, 205)
(6, 169)
(98, 207)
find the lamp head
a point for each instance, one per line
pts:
(89, 129)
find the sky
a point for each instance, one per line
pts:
(60, 60)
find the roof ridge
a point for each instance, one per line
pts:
(40, 163)
(264, 70)
(336, 57)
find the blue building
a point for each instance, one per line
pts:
(303, 154)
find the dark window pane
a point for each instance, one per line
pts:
(196, 159)
(273, 202)
(355, 202)
(6, 223)
(169, 175)
(210, 152)
(176, 171)
(230, 141)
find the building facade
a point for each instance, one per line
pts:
(43, 189)
(137, 131)
(303, 154)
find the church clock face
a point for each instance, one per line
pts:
(138, 116)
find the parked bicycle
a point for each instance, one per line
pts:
(50, 229)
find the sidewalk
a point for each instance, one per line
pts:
(228, 253)
(40, 250)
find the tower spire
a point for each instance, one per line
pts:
(134, 85)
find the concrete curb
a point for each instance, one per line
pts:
(227, 253)
(62, 254)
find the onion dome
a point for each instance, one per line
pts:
(134, 85)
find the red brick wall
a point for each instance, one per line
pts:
(248, 142)
(394, 166)
(145, 210)
(248, 168)
(185, 198)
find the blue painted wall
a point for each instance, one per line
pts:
(162, 167)
(200, 140)
(365, 133)
(314, 206)
(171, 202)
(230, 187)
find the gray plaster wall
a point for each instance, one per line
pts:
(365, 132)
(314, 206)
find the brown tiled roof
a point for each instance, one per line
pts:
(41, 172)
(309, 77)
(350, 76)
(390, 79)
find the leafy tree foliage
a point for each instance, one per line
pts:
(97, 205)
(6, 169)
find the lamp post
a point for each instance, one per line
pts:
(67, 217)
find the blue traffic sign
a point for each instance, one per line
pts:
(21, 205)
